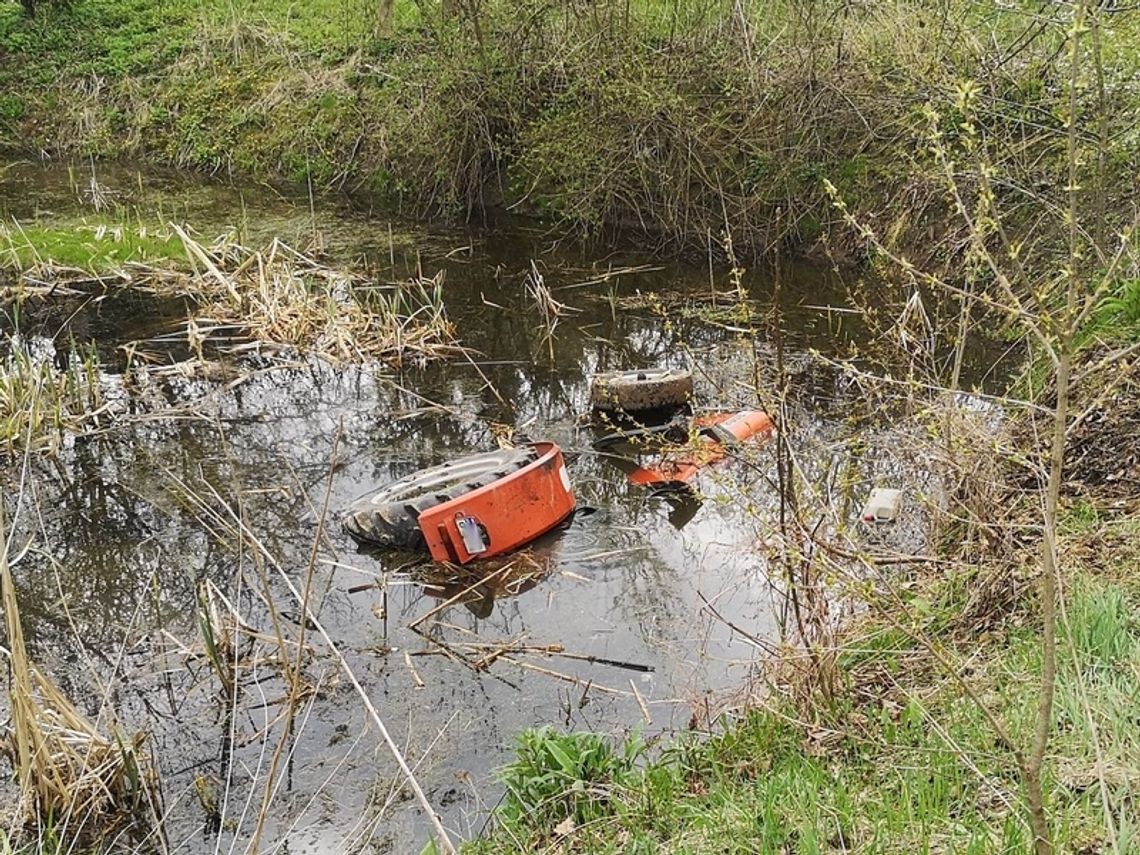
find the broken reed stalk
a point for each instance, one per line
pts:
(549, 309)
(463, 593)
(443, 839)
(490, 649)
(565, 678)
(72, 778)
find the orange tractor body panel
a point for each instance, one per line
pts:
(503, 515)
(717, 434)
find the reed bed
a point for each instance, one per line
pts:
(73, 779)
(283, 296)
(40, 404)
(240, 298)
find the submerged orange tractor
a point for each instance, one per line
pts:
(474, 507)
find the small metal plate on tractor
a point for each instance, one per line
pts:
(474, 538)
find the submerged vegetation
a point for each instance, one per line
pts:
(40, 404)
(88, 247)
(282, 296)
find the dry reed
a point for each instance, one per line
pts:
(72, 778)
(283, 296)
(39, 404)
(550, 310)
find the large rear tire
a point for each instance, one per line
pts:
(637, 391)
(389, 517)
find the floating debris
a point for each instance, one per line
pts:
(882, 505)
(476, 507)
(641, 390)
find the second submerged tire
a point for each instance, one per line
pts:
(389, 517)
(635, 391)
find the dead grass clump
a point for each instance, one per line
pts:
(283, 296)
(73, 779)
(982, 521)
(236, 39)
(1104, 456)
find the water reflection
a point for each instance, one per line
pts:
(224, 475)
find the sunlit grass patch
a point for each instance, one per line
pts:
(90, 247)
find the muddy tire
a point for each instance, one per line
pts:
(389, 517)
(636, 391)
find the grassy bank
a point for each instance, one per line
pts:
(673, 122)
(905, 763)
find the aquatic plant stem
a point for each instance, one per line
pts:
(446, 846)
(293, 673)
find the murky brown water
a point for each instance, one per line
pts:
(110, 599)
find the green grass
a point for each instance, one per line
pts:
(1118, 316)
(89, 245)
(108, 38)
(916, 771)
(644, 115)
(566, 775)
(1115, 321)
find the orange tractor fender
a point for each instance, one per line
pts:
(503, 515)
(718, 433)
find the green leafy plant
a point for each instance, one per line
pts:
(560, 776)
(1123, 306)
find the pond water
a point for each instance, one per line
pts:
(123, 524)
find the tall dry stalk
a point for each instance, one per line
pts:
(71, 778)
